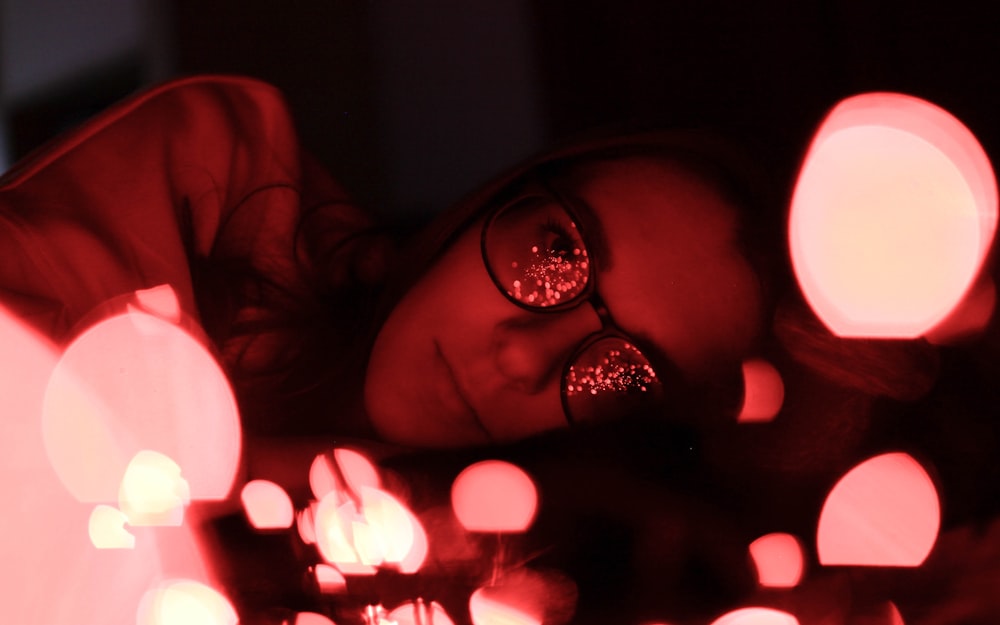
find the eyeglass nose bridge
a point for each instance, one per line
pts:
(623, 381)
(601, 309)
(611, 382)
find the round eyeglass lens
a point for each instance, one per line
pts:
(609, 379)
(536, 254)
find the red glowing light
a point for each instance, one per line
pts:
(305, 522)
(311, 618)
(322, 478)
(334, 523)
(756, 616)
(893, 615)
(136, 382)
(358, 471)
(420, 613)
(329, 580)
(892, 216)
(778, 559)
(884, 512)
(185, 602)
(62, 561)
(267, 505)
(970, 317)
(763, 391)
(153, 492)
(524, 596)
(414, 558)
(487, 609)
(494, 496)
(381, 531)
(160, 301)
(107, 528)
(390, 524)
(345, 471)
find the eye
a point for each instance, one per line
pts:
(560, 239)
(536, 254)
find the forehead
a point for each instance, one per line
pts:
(675, 274)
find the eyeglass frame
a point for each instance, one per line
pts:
(589, 295)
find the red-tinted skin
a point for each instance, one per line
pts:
(457, 363)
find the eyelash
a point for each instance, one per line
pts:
(551, 226)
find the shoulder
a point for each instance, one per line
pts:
(183, 106)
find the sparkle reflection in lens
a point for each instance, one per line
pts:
(609, 379)
(550, 277)
(620, 371)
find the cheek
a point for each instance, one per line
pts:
(444, 309)
(701, 307)
(454, 294)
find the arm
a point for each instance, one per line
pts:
(198, 178)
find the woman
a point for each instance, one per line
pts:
(630, 240)
(489, 327)
(602, 284)
(200, 184)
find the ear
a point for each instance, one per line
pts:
(892, 216)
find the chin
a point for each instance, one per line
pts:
(399, 421)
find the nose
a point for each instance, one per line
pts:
(531, 349)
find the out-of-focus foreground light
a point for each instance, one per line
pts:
(524, 596)
(267, 505)
(343, 470)
(57, 564)
(893, 213)
(970, 318)
(153, 491)
(490, 610)
(107, 528)
(136, 382)
(335, 523)
(883, 512)
(63, 559)
(420, 613)
(311, 618)
(494, 496)
(357, 469)
(376, 530)
(756, 616)
(328, 579)
(305, 523)
(895, 618)
(778, 559)
(395, 531)
(185, 602)
(763, 392)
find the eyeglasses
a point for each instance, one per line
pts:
(538, 258)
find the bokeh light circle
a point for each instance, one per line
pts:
(130, 382)
(883, 512)
(494, 496)
(893, 213)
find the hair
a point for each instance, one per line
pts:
(718, 161)
(325, 337)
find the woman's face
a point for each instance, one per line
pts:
(457, 363)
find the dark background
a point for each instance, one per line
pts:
(411, 104)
